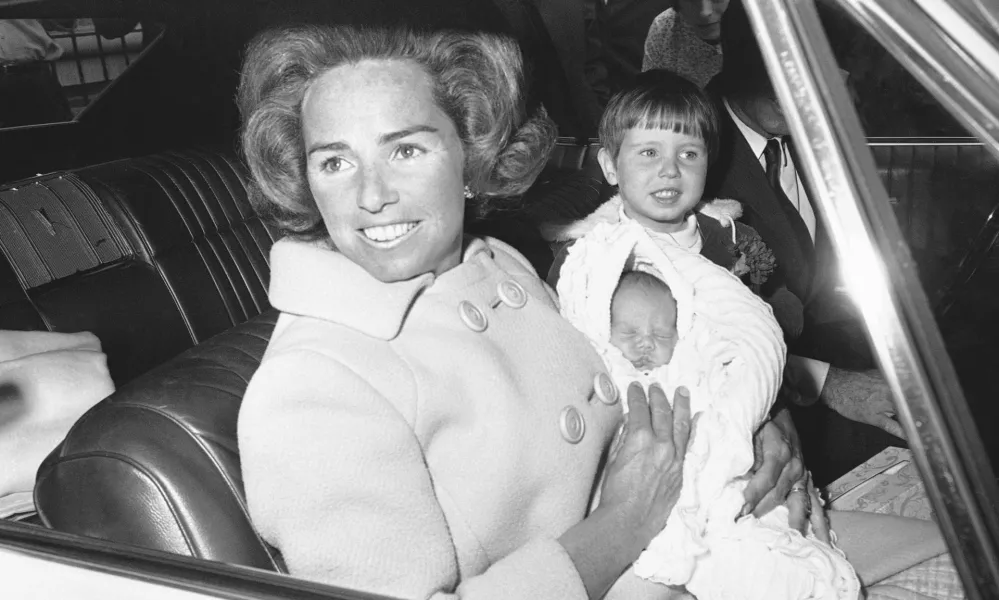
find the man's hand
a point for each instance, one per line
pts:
(861, 396)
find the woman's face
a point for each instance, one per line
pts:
(384, 164)
(704, 16)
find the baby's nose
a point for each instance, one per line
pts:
(645, 343)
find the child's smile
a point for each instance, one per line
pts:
(660, 174)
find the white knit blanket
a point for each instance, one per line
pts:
(47, 381)
(730, 355)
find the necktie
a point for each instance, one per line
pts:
(774, 158)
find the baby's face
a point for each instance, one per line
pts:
(643, 325)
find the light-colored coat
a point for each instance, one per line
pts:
(387, 446)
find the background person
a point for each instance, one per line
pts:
(30, 92)
(756, 166)
(685, 40)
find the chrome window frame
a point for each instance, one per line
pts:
(842, 182)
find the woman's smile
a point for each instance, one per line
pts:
(387, 234)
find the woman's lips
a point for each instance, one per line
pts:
(386, 234)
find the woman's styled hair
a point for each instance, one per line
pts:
(660, 99)
(477, 82)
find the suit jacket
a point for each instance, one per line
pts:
(737, 174)
(832, 330)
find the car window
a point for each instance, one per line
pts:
(54, 69)
(909, 201)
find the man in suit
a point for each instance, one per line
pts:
(830, 363)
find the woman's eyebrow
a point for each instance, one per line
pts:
(388, 138)
(332, 146)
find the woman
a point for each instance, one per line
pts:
(423, 422)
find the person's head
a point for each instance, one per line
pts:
(658, 136)
(704, 16)
(375, 139)
(743, 80)
(643, 320)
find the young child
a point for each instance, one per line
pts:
(664, 116)
(725, 345)
(668, 316)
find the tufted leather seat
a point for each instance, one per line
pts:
(152, 254)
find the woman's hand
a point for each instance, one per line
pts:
(641, 485)
(779, 477)
(645, 469)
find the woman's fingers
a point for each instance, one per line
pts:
(662, 413)
(638, 408)
(819, 519)
(799, 507)
(775, 457)
(682, 423)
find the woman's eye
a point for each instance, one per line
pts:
(407, 151)
(334, 164)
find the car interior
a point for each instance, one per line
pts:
(132, 221)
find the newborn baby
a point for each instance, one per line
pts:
(643, 320)
(668, 316)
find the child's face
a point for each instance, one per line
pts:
(660, 175)
(643, 325)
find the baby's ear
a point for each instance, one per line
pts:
(606, 162)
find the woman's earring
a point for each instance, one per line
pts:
(469, 194)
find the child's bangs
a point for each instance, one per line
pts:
(683, 118)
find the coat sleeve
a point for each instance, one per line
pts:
(335, 478)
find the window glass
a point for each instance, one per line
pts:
(51, 70)
(941, 183)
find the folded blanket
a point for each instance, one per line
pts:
(730, 355)
(47, 381)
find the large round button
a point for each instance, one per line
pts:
(572, 424)
(512, 294)
(605, 389)
(472, 316)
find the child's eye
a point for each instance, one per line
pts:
(335, 164)
(691, 154)
(408, 151)
(649, 152)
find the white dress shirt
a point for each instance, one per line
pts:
(26, 41)
(805, 375)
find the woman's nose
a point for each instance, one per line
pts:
(376, 192)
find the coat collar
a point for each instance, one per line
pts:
(311, 279)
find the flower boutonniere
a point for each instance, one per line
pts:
(755, 259)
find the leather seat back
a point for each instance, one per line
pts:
(152, 254)
(156, 464)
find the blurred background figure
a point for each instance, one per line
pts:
(685, 40)
(29, 89)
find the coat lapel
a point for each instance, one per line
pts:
(738, 175)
